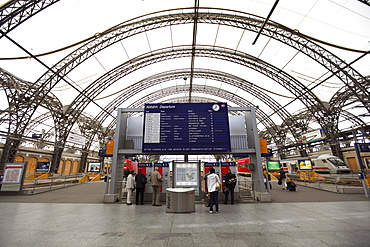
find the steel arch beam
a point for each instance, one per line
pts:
(342, 96)
(125, 95)
(267, 122)
(173, 90)
(229, 79)
(355, 120)
(203, 51)
(245, 21)
(237, 19)
(245, 85)
(367, 2)
(17, 90)
(15, 12)
(92, 91)
(196, 99)
(129, 29)
(133, 27)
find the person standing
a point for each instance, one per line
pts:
(282, 178)
(156, 180)
(230, 183)
(130, 186)
(212, 179)
(207, 196)
(140, 180)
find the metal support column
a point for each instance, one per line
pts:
(115, 187)
(255, 158)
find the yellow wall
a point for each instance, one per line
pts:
(61, 167)
(31, 166)
(76, 166)
(352, 163)
(18, 159)
(68, 167)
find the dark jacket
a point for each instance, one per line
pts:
(140, 180)
(227, 180)
(282, 174)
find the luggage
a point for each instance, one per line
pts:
(292, 189)
(291, 186)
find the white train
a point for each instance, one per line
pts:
(325, 163)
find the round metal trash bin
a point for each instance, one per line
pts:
(180, 200)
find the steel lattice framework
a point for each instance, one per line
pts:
(128, 92)
(367, 2)
(14, 13)
(42, 87)
(229, 79)
(17, 90)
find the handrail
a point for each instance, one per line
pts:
(333, 184)
(51, 183)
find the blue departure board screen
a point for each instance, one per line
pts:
(186, 128)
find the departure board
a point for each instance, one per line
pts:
(186, 128)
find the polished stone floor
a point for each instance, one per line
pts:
(324, 223)
(248, 224)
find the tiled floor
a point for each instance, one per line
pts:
(76, 216)
(249, 224)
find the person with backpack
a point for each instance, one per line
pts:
(230, 184)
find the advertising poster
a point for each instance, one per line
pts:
(304, 165)
(94, 167)
(186, 174)
(43, 166)
(13, 173)
(273, 165)
(13, 177)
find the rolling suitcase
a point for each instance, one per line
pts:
(291, 186)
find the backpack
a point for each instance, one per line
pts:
(232, 182)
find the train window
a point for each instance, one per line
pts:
(324, 161)
(336, 162)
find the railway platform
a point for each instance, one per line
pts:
(77, 216)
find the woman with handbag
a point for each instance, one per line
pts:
(213, 181)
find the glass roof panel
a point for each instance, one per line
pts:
(67, 22)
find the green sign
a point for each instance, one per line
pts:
(273, 165)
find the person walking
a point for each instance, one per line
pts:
(140, 180)
(130, 186)
(230, 183)
(282, 178)
(212, 180)
(156, 180)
